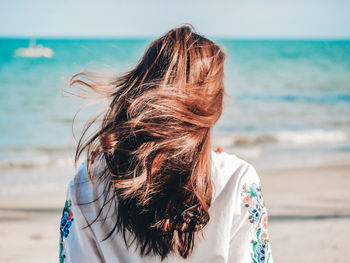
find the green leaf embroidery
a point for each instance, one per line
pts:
(258, 235)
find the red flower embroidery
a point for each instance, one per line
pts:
(265, 222)
(219, 150)
(248, 201)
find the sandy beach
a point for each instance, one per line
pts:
(309, 211)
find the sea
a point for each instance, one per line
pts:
(282, 96)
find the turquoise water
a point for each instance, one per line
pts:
(295, 92)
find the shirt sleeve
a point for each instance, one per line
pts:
(77, 240)
(249, 236)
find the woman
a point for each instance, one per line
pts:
(152, 189)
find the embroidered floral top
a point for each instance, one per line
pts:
(237, 231)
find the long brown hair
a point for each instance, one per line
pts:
(154, 140)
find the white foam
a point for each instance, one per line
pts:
(36, 162)
(304, 137)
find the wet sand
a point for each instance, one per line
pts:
(309, 211)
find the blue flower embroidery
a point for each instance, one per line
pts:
(66, 222)
(260, 251)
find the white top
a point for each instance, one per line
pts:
(236, 232)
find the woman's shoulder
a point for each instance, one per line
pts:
(85, 182)
(230, 170)
(89, 192)
(80, 184)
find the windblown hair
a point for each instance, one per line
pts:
(154, 140)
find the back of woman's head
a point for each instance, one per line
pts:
(155, 141)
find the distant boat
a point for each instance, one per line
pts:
(34, 51)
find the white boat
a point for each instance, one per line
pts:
(34, 51)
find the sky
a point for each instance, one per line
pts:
(267, 19)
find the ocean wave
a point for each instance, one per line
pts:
(36, 162)
(40, 148)
(304, 137)
(235, 139)
(314, 98)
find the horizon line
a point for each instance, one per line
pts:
(238, 38)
